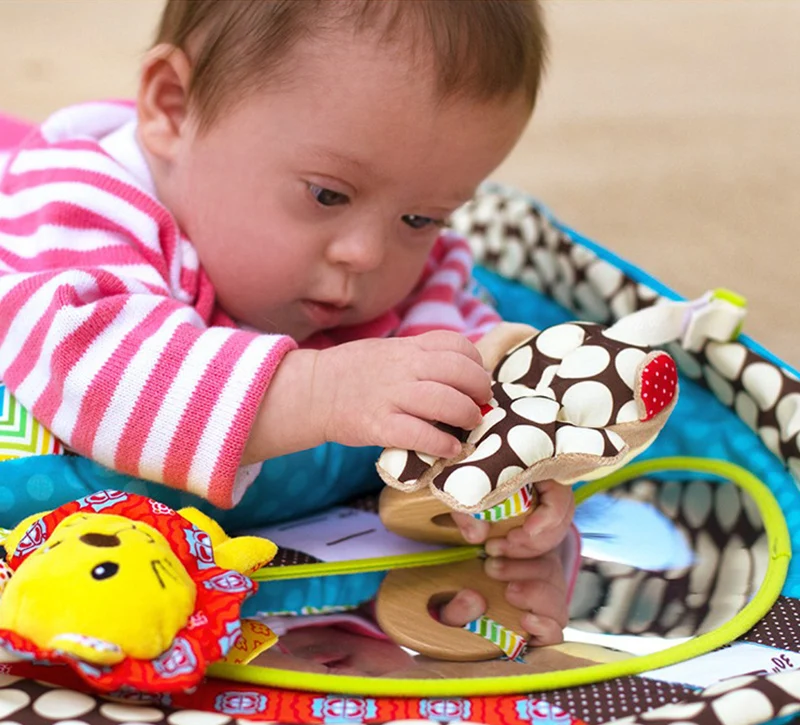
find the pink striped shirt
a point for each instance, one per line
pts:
(109, 330)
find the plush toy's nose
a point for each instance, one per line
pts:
(100, 540)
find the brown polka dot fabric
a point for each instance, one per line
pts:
(763, 395)
(292, 557)
(780, 628)
(607, 701)
(508, 233)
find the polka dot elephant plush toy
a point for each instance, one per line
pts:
(570, 403)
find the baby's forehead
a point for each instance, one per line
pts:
(484, 50)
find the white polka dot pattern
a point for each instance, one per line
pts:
(764, 396)
(554, 264)
(63, 703)
(564, 404)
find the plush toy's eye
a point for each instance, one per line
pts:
(105, 570)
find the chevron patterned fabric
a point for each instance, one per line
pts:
(20, 433)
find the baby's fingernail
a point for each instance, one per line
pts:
(472, 535)
(495, 566)
(533, 532)
(495, 548)
(471, 604)
(530, 623)
(514, 588)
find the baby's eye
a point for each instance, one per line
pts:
(327, 197)
(421, 222)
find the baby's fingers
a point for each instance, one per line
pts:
(453, 341)
(440, 403)
(463, 608)
(456, 371)
(544, 529)
(543, 630)
(407, 431)
(547, 526)
(544, 598)
(473, 530)
(545, 568)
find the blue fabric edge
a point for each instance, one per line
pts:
(641, 276)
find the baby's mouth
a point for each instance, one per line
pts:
(338, 665)
(324, 314)
(332, 661)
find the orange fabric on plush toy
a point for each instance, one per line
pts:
(127, 591)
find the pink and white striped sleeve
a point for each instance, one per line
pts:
(98, 335)
(442, 299)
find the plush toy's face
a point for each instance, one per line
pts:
(102, 587)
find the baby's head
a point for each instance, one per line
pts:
(311, 149)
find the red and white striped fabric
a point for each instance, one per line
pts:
(109, 330)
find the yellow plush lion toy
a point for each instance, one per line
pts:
(119, 585)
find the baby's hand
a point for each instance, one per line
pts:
(391, 392)
(536, 586)
(541, 532)
(526, 558)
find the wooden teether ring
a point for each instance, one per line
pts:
(422, 517)
(403, 610)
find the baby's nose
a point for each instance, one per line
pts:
(359, 252)
(100, 540)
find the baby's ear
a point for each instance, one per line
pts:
(13, 537)
(500, 340)
(162, 104)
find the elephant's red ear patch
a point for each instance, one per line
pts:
(659, 385)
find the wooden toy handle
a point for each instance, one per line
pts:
(420, 516)
(406, 597)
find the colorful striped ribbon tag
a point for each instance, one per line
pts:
(515, 505)
(512, 645)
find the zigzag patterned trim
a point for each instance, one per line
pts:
(516, 505)
(512, 644)
(20, 433)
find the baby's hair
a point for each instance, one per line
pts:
(480, 49)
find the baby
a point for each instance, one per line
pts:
(251, 260)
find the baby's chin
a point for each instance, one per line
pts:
(302, 329)
(299, 331)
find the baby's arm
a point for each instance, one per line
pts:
(377, 392)
(97, 341)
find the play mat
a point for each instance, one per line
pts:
(685, 604)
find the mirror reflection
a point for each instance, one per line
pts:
(661, 561)
(665, 561)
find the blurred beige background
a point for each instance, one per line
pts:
(669, 130)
